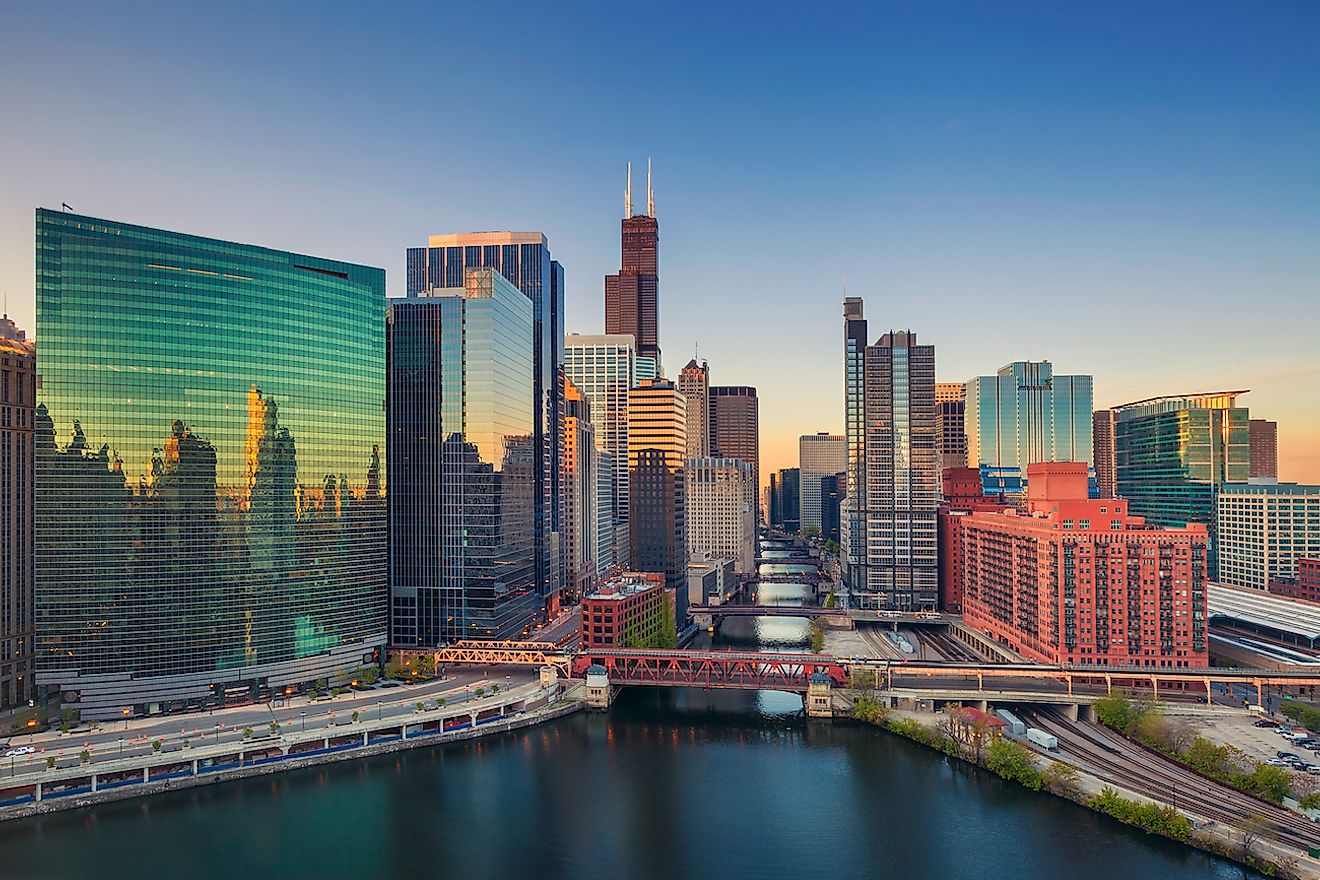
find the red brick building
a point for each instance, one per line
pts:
(1305, 587)
(962, 495)
(628, 609)
(1078, 580)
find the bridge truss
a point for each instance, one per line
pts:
(780, 672)
(507, 652)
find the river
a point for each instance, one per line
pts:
(668, 784)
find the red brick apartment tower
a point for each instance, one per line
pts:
(1078, 580)
(962, 495)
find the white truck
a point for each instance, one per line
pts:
(1047, 741)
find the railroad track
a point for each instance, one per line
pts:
(1110, 756)
(950, 648)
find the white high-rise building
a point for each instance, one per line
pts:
(721, 511)
(1263, 529)
(604, 368)
(819, 455)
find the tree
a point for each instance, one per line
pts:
(84, 756)
(440, 703)
(1062, 778)
(1269, 782)
(817, 636)
(1012, 760)
(421, 707)
(356, 715)
(480, 692)
(1251, 829)
(247, 732)
(50, 762)
(156, 745)
(274, 727)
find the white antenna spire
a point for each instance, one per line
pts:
(650, 194)
(627, 195)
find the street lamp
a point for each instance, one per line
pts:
(378, 710)
(126, 711)
(121, 747)
(302, 721)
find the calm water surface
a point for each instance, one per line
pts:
(668, 784)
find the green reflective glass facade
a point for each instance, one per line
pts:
(210, 511)
(1172, 455)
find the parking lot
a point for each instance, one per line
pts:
(1261, 743)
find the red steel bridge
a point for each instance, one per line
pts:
(721, 669)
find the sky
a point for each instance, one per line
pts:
(1129, 190)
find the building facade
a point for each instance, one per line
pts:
(632, 296)
(657, 444)
(819, 455)
(721, 519)
(580, 488)
(1172, 455)
(604, 368)
(1263, 530)
(1264, 448)
(607, 551)
(632, 610)
(1081, 580)
(852, 533)
(902, 476)
(18, 398)
(1305, 586)
(523, 258)
(210, 510)
(711, 581)
(833, 489)
(1103, 423)
(962, 495)
(951, 434)
(734, 421)
(462, 504)
(694, 382)
(1023, 415)
(790, 484)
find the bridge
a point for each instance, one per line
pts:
(473, 651)
(718, 611)
(789, 560)
(711, 669)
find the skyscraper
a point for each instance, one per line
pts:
(774, 503)
(632, 297)
(694, 382)
(721, 518)
(833, 489)
(657, 444)
(580, 487)
(18, 397)
(1264, 448)
(1023, 415)
(853, 516)
(951, 434)
(210, 511)
(819, 455)
(790, 498)
(734, 422)
(462, 501)
(604, 370)
(607, 550)
(902, 479)
(1102, 439)
(1172, 454)
(523, 258)
(1263, 530)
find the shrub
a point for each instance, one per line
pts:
(50, 762)
(356, 715)
(1152, 818)
(1012, 760)
(156, 745)
(84, 756)
(1062, 778)
(247, 732)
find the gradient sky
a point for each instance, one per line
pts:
(1130, 190)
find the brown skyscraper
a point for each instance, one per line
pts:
(1264, 448)
(734, 425)
(1102, 439)
(18, 392)
(632, 297)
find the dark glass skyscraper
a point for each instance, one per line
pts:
(734, 422)
(523, 258)
(632, 297)
(210, 512)
(853, 516)
(462, 498)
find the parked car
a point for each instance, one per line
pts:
(20, 752)
(1287, 756)
(1261, 722)
(1277, 762)
(1282, 730)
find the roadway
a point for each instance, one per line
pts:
(135, 736)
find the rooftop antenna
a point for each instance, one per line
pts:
(650, 194)
(627, 195)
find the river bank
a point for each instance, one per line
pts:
(1245, 845)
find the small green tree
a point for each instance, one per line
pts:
(494, 689)
(480, 692)
(1062, 778)
(247, 732)
(84, 756)
(1310, 801)
(356, 715)
(421, 707)
(156, 745)
(313, 694)
(440, 702)
(50, 762)
(274, 727)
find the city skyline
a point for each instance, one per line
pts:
(1017, 172)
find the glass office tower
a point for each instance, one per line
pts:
(1024, 415)
(523, 258)
(210, 511)
(462, 500)
(1172, 455)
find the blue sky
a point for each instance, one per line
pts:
(1130, 190)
